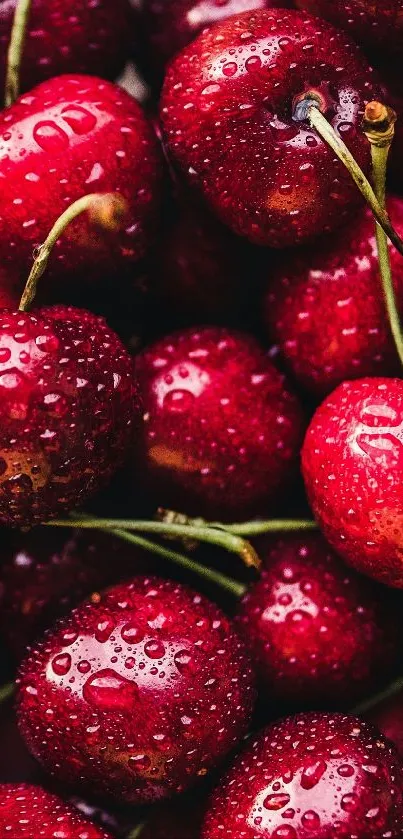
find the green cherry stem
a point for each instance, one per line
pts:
(329, 135)
(136, 832)
(201, 533)
(379, 128)
(6, 691)
(15, 50)
(247, 528)
(390, 691)
(106, 211)
(230, 585)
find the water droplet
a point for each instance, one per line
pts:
(178, 400)
(349, 802)
(310, 820)
(61, 664)
(79, 119)
(50, 137)
(154, 649)
(108, 691)
(140, 763)
(345, 770)
(132, 634)
(312, 774)
(5, 355)
(230, 69)
(276, 801)
(69, 636)
(284, 832)
(184, 661)
(253, 63)
(83, 666)
(103, 630)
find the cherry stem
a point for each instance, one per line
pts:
(379, 128)
(201, 533)
(248, 528)
(15, 50)
(136, 832)
(106, 211)
(388, 693)
(6, 691)
(329, 135)
(227, 583)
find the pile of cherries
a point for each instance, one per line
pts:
(203, 356)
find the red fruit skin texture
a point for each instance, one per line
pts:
(221, 430)
(171, 26)
(320, 634)
(313, 776)
(227, 112)
(68, 402)
(28, 811)
(67, 36)
(352, 463)
(377, 26)
(46, 572)
(68, 137)
(388, 717)
(139, 695)
(324, 307)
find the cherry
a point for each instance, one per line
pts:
(322, 776)
(377, 26)
(27, 811)
(320, 634)
(46, 572)
(221, 429)
(388, 717)
(234, 109)
(72, 136)
(352, 462)
(171, 26)
(67, 36)
(67, 405)
(325, 310)
(138, 693)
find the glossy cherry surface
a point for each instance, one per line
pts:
(320, 634)
(69, 36)
(171, 26)
(324, 307)
(28, 811)
(138, 693)
(221, 430)
(352, 462)
(68, 402)
(387, 715)
(230, 113)
(314, 776)
(68, 137)
(377, 25)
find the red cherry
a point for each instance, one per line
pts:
(67, 36)
(139, 694)
(320, 634)
(325, 310)
(46, 572)
(171, 26)
(352, 462)
(67, 405)
(72, 136)
(377, 25)
(233, 119)
(314, 776)
(221, 430)
(28, 811)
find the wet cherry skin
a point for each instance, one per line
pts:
(324, 307)
(69, 36)
(68, 137)
(171, 26)
(387, 715)
(221, 429)
(68, 404)
(320, 634)
(138, 693)
(228, 108)
(28, 811)
(47, 571)
(376, 26)
(352, 462)
(313, 776)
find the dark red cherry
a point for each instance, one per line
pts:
(325, 310)
(234, 119)
(221, 430)
(68, 137)
(28, 811)
(314, 776)
(69, 36)
(68, 403)
(352, 462)
(376, 26)
(136, 695)
(320, 634)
